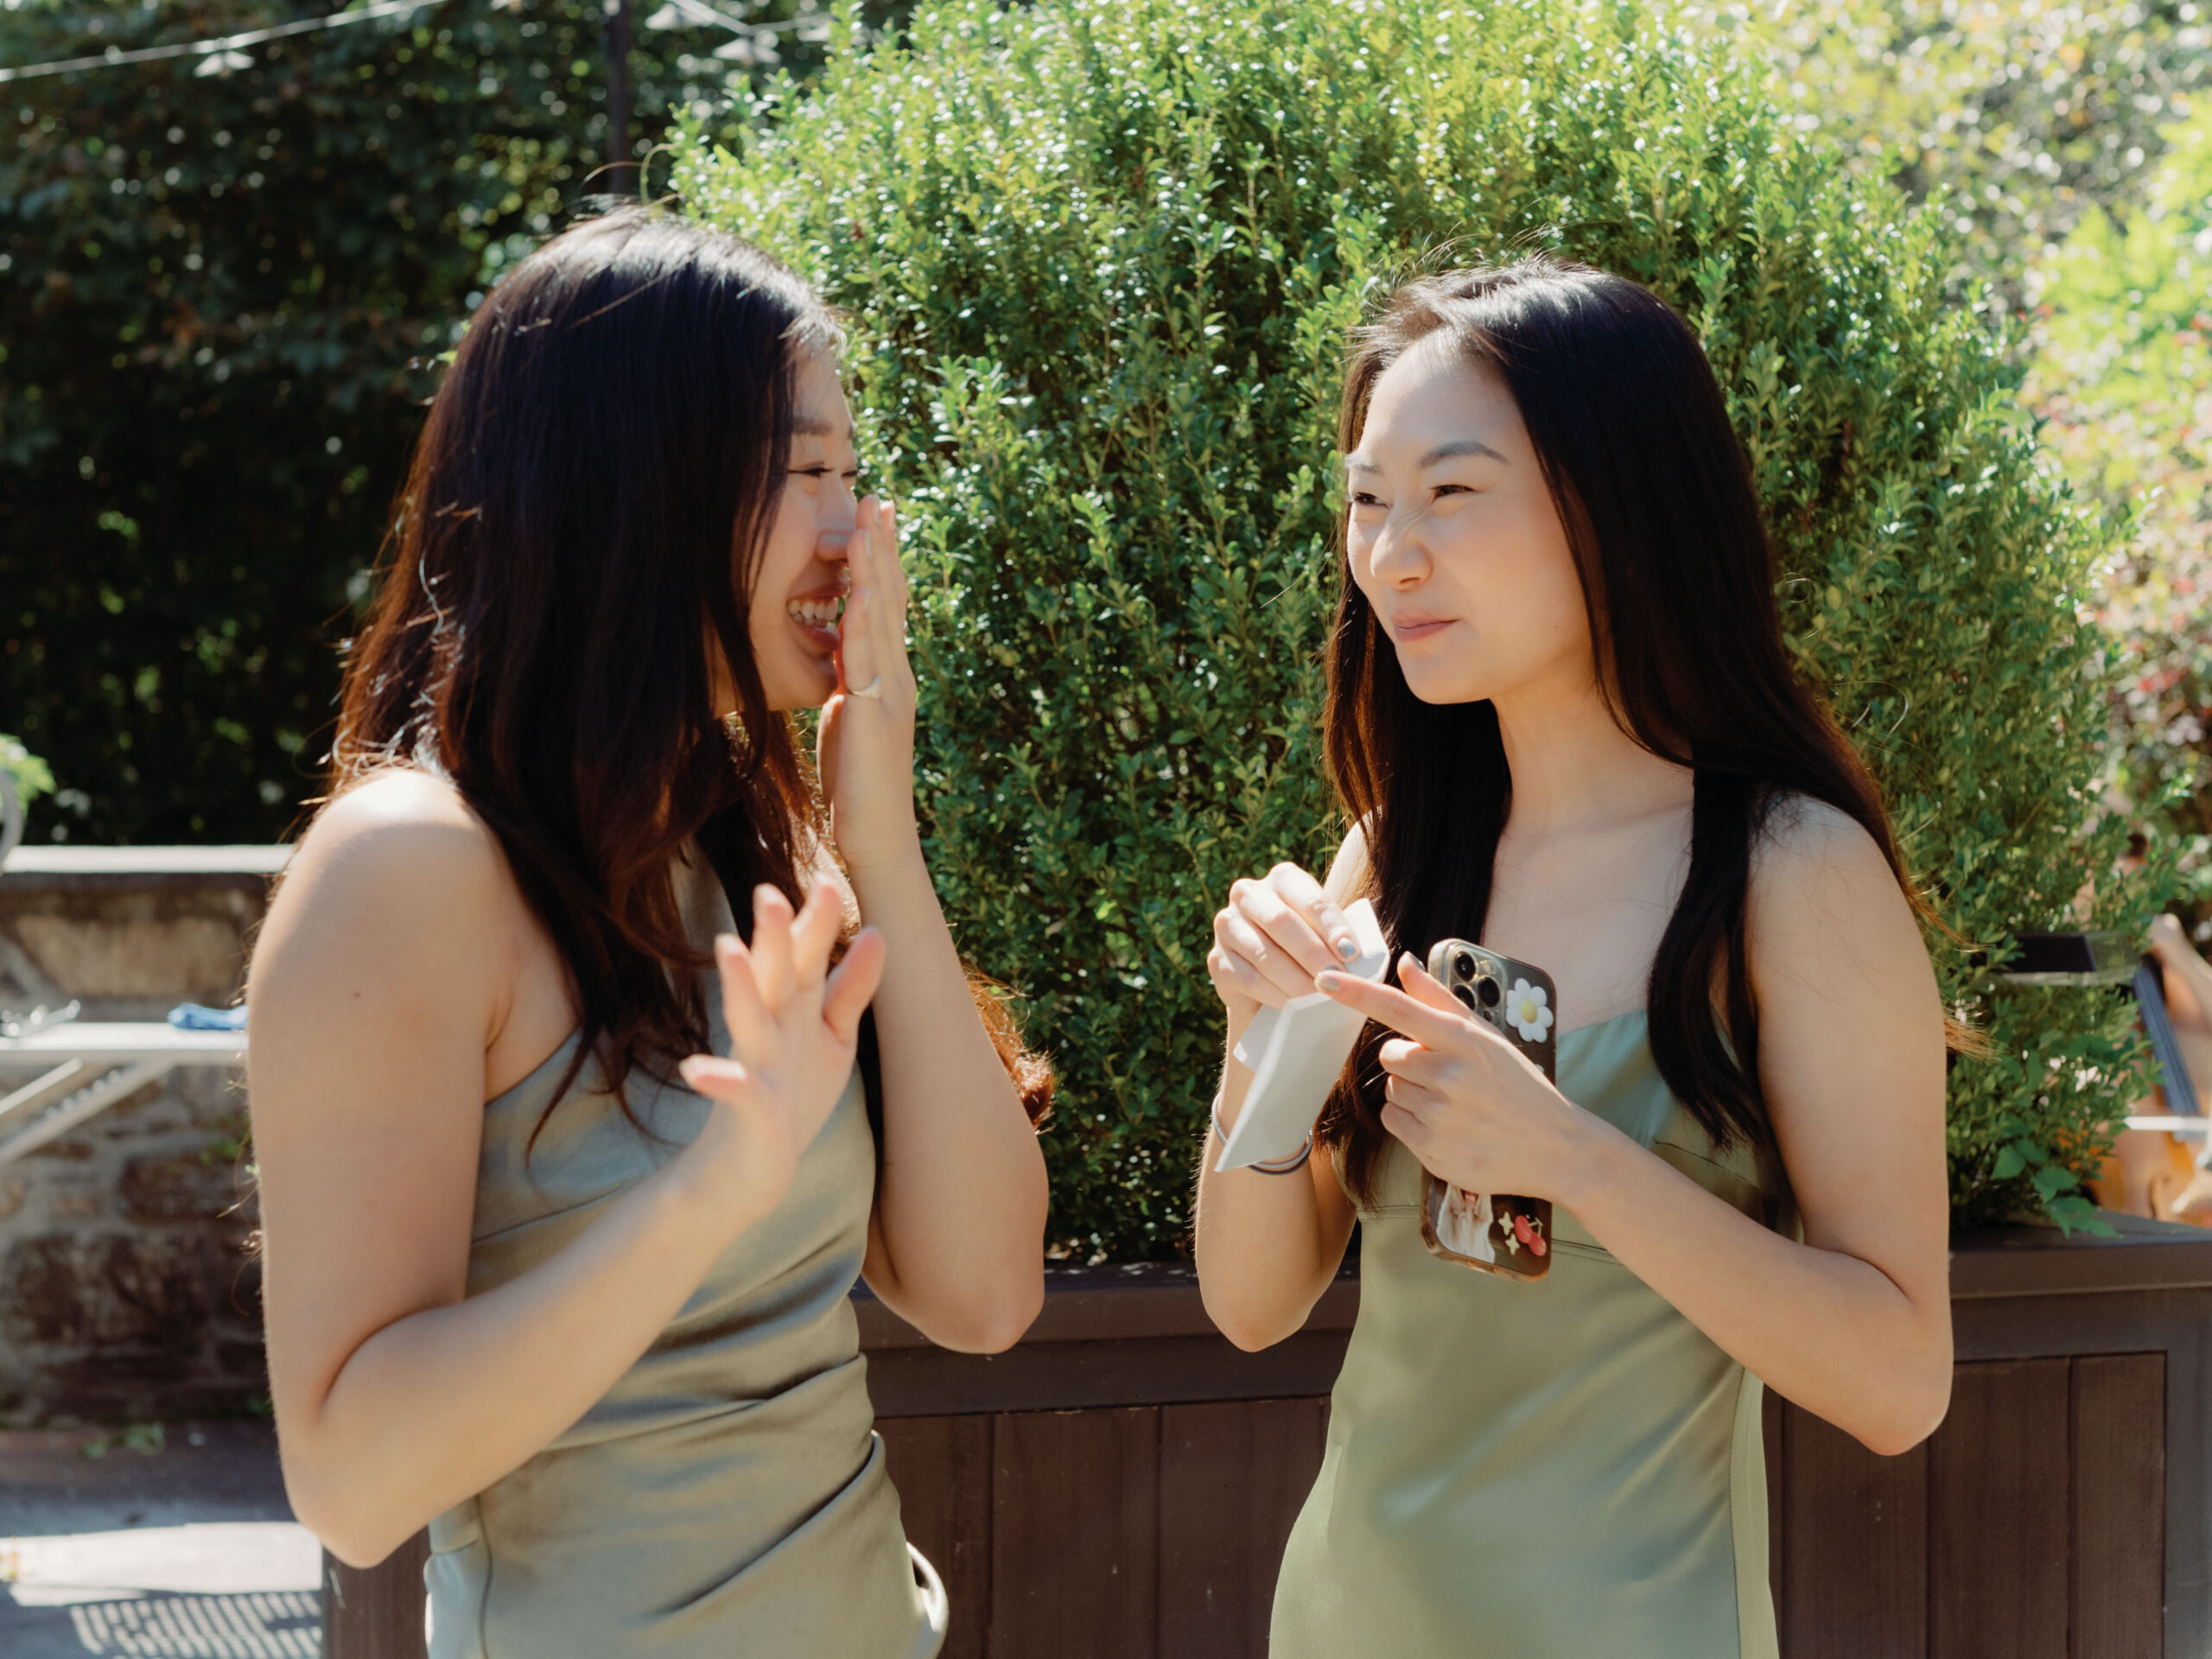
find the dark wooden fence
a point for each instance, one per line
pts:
(1118, 1485)
(1122, 1481)
(2065, 1506)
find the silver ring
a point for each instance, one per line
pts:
(872, 690)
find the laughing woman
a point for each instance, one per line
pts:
(1562, 721)
(563, 1186)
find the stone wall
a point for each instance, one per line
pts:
(127, 1289)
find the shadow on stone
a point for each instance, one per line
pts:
(260, 1624)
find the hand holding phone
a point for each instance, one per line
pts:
(1498, 1233)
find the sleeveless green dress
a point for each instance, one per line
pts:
(727, 1497)
(1564, 1469)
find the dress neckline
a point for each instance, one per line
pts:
(1599, 1025)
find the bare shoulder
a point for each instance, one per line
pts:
(398, 861)
(1807, 842)
(1826, 909)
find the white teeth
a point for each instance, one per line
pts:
(815, 613)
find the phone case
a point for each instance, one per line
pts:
(1499, 1232)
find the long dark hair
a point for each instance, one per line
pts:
(1655, 497)
(583, 515)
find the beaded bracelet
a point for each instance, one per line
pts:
(1278, 1166)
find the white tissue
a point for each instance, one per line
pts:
(1295, 1053)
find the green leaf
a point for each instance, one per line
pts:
(2074, 1212)
(2052, 1180)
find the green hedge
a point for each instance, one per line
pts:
(1101, 255)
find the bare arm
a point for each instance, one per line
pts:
(1268, 1245)
(379, 979)
(957, 1241)
(1853, 1324)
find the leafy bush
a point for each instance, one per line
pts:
(220, 298)
(1101, 255)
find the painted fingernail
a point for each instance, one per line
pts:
(1328, 980)
(1347, 947)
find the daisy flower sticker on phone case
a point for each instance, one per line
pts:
(1528, 1008)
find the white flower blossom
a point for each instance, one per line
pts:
(1526, 1008)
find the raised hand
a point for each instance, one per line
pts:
(865, 754)
(794, 1027)
(1272, 936)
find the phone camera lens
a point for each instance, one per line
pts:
(1487, 991)
(1463, 964)
(1463, 994)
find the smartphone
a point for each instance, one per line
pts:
(1496, 1232)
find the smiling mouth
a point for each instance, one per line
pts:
(816, 618)
(819, 612)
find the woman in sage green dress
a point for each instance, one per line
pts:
(1562, 724)
(564, 1186)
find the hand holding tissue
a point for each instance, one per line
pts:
(1295, 1053)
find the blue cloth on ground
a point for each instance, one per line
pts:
(191, 1016)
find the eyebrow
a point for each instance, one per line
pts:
(1442, 452)
(1459, 447)
(808, 427)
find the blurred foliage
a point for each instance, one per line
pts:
(2019, 115)
(1101, 257)
(2068, 141)
(32, 777)
(2123, 371)
(221, 297)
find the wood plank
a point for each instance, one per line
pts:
(2137, 1255)
(942, 1467)
(1075, 1534)
(2188, 1347)
(1232, 1479)
(375, 1612)
(2119, 1412)
(1855, 1546)
(1121, 1371)
(2053, 1327)
(1119, 1302)
(1998, 1516)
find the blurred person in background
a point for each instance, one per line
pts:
(2154, 1172)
